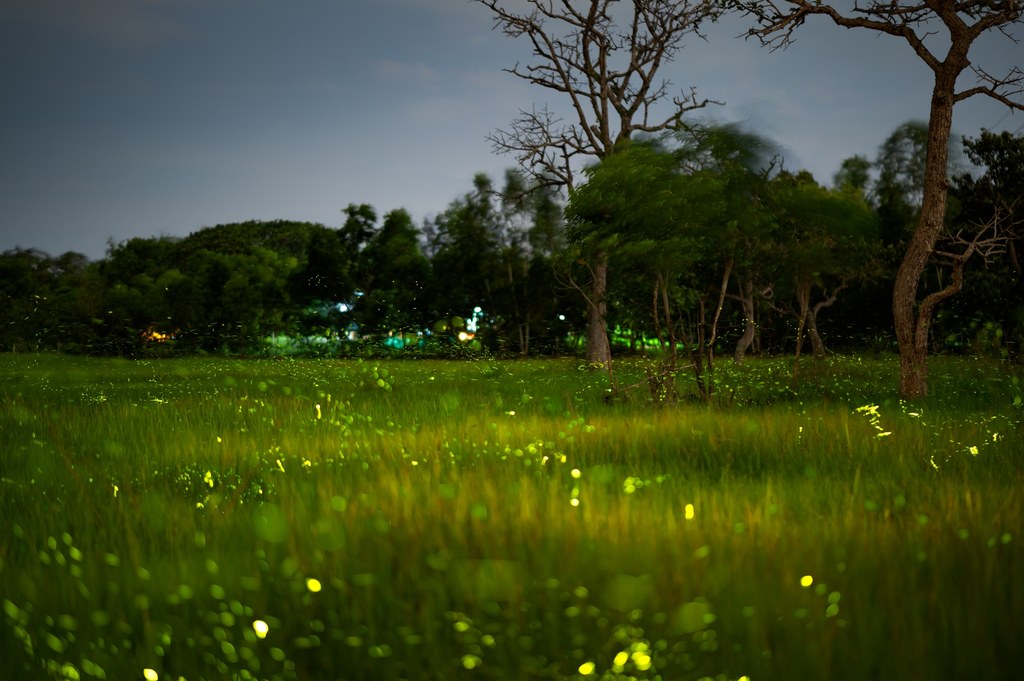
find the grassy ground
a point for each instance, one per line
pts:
(213, 519)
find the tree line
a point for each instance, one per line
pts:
(714, 247)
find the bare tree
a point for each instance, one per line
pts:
(929, 27)
(603, 56)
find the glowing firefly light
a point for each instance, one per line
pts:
(806, 581)
(261, 628)
(313, 585)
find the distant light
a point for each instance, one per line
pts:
(806, 581)
(150, 674)
(465, 336)
(313, 585)
(561, 317)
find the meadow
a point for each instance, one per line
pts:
(315, 519)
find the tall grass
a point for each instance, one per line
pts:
(206, 519)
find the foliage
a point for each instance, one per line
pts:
(988, 316)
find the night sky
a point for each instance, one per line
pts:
(122, 118)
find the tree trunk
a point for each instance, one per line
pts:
(598, 349)
(746, 299)
(911, 328)
(803, 295)
(817, 344)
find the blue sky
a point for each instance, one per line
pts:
(122, 118)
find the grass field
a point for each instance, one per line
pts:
(218, 519)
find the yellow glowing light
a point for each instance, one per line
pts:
(973, 450)
(806, 581)
(574, 502)
(587, 668)
(576, 473)
(150, 674)
(313, 585)
(261, 628)
(689, 511)
(464, 336)
(152, 334)
(318, 414)
(621, 659)
(743, 678)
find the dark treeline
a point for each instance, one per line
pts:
(715, 249)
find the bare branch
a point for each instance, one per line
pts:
(606, 64)
(1005, 89)
(913, 22)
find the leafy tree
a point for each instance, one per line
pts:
(654, 219)
(743, 162)
(394, 298)
(324, 274)
(829, 239)
(604, 59)
(466, 261)
(991, 213)
(997, 195)
(961, 24)
(26, 285)
(854, 176)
